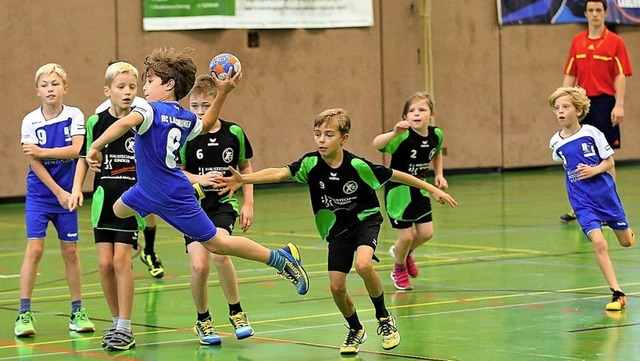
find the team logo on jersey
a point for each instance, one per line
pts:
(588, 149)
(227, 155)
(333, 176)
(425, 144)
(350, 187)
(213, 142)
(129, 144)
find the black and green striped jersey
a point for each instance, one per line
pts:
(117, 174)
(215, 152)
(411, 153)
(343, 196)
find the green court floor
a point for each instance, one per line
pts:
(502, 279)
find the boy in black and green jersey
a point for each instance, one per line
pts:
(225, 145)
(114, 237)
(343, 188)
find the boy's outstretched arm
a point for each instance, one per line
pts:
(223, 87)
(236, 180)
(115, 131)
(439, 195)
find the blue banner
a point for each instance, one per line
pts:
(517, 12)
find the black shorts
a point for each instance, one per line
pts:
(396, 224)
(600, 117)
(343, 246)
(111, 236)
(223, 216)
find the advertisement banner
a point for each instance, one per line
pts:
(516, 12)
(255, 14)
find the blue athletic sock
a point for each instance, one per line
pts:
(76, 306)
(276, 260)
(25, 305)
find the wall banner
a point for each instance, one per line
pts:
(255, 14)
(516, 12)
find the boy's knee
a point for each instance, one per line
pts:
(70, 253)
(364, 267)
(200, 269)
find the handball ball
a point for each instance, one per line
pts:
(221, 64)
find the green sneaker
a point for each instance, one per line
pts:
(24, 325)
(79, 322)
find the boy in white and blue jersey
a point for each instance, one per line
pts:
(161, 128)
(51, 138)
(587, 158)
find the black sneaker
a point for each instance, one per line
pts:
(618, 301)
(153, 263)
(568, 217)
(121, 340)
(108, 334)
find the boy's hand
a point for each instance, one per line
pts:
(443, 197)
(585, 171)
(229, 184)
(230, 82)
(440, 182)
(94, 159)
(75, 200)
(63, 198)
(32, 150)
(208, 179)
(246, 217)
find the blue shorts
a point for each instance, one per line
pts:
(66, 224)
(589, 221)
(182, 211)
(223, 217)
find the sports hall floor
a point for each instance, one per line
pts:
(503, 279)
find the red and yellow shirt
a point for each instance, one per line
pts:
(596, 62)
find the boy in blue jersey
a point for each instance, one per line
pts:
(587, 159)
(226, 145)
(343, 188)
(414, 144)
(162, 127)
(114, 237)
(51, 139)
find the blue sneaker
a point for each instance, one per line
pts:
(240, 323)
(207, 334)
(293, 270)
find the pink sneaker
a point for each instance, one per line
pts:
(412, 268)
(401, 279)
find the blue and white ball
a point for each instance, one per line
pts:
(221, 64)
